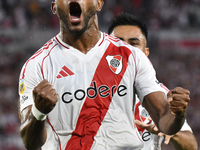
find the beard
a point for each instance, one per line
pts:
(64, 18)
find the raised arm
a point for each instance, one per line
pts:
(32, 130)
(168, 116)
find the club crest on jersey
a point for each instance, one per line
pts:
(143, 114)
(21, 87)
(115, 63)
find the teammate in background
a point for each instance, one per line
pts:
(131, 30)
(76, 92)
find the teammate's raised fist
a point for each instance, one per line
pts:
(178, 99)
(45, 97)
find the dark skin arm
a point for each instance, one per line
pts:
(184, 140)
(33, 131)
(168, 116)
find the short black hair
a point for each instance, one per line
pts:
(127, 19)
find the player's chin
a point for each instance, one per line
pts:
(77, 30)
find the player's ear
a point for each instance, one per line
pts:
(99, 4)
(146, 51)
(53, 8)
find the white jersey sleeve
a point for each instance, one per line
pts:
(146, 81)
(30, 76)
(26, 85)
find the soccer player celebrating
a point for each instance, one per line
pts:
(131, 30)
(76, 92)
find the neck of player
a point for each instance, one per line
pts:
(84, 42)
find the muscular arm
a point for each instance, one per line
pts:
(32, 131)
(184, 140)
(168, 116)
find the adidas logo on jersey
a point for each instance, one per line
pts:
(64, 73)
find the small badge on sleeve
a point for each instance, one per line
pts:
(21, 87)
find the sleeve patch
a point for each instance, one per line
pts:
(21, 87)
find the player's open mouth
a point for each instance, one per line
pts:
(75, 12)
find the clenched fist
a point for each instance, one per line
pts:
(178, 99)
(45, 97)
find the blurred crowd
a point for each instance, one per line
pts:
(168, 14)
(20, 19)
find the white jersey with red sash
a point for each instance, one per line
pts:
(151, 141)
(95, 90)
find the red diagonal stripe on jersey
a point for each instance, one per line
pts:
(67, 70)
(94, 110)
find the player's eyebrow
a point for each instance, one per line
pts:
(133, 39)
(120, 38)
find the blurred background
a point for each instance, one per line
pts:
(174, 41)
